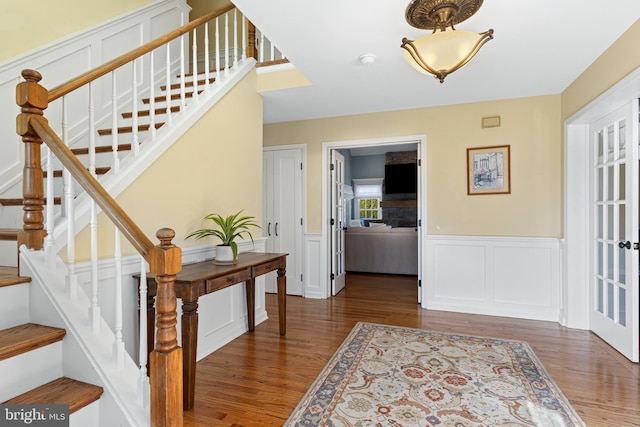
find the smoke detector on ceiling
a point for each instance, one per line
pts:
(367, 59)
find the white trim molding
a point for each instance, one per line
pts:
(314, 286)
(421, 144)
(497, 276)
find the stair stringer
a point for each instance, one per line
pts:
(132, 166)
(87, 356)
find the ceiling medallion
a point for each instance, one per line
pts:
(433, 14)
(442, 52)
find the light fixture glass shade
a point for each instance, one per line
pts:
(443, 52)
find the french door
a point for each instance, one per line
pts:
(337, 222)
(615, 231)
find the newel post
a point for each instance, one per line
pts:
(32, 99)
(165, 362)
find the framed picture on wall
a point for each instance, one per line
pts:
(488, 170)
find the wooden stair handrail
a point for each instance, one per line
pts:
(93, 188)
(112, 65)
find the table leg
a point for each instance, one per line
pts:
(189, 346)
(250, 291)
(282, 300)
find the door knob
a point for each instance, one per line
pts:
(623, 245)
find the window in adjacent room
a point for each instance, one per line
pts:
(367, 198)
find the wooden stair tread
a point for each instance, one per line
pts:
(9, 234)
(129, 129)
(187, 84)
(201, 73)
(173, 97)
(100, 149)
(18, 201)
(76, 394)
(146, 113)
(29, 336)
(99, 171)
(9, 276)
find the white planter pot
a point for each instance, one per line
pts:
(224, 253)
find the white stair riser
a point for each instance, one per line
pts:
(29, 370)
(8, 253)
(14, 305)
(87, 416)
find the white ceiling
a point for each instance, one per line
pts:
(539, 48)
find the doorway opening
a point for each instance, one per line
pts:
(599, 218)
(338, 215)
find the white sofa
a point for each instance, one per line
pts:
(381, 249)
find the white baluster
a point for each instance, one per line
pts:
(94, 309)
(118, 345)
(65, 138)
(135, 143)
(261, 55)
(226, 44)
(114, 123)
(143, 379)
(272, 53)
(235, 37)
(168, 86)
(92, 133)
(71, 280)
(194, 71)
(206, 57)
(152, 99)
(183, 104)
(217, 48)
(245, 36)
(49, 213)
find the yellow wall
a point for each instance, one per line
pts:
(25, 26)
(531, 126)
(620, 59)
(215, 167)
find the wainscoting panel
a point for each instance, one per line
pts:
(469, 281)
(314, 282)
(499, 276)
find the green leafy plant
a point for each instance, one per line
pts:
(229, 228)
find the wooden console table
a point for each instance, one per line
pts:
(203, 278)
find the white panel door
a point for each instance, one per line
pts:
(614, 218)
(337, 223)
(282, 212)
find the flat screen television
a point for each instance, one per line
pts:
(400, 178)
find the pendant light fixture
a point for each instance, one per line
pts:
(443, 51)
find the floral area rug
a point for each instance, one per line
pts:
(401, 377)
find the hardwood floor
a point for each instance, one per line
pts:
(258, 379)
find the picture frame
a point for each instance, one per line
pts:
(489, 170)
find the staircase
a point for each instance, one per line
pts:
(24, 342)
(51, 350)
(39, 349)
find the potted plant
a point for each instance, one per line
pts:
(228, 229)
